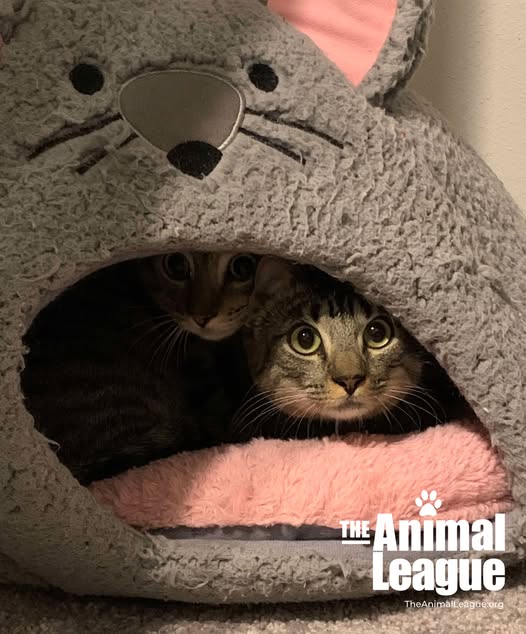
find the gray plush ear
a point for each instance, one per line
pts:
(402, 51)
(376, 44)
(12, 13)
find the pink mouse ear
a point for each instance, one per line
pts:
(375, 43)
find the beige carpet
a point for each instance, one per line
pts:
(38, 612)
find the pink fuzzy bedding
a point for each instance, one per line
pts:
(315, 482)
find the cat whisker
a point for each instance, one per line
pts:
(294, 419)
(419, 390)
(306, 414)
(165, 317)
(261, 393)
(168, 321)
(247, 410)
(172, 343)
(389, 415)
(286, 432)
(167, 346)
(424, 395)
(417, 423)
(266, 396)
(275, 403)
(185, 344)
(311, 409)
(268, 408)
(161, 346)
(432, 412)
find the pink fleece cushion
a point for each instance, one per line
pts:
(318, 482)
(350, 32)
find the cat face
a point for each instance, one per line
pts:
(318, 349)
(207, 294)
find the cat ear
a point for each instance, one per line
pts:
(12, 13)
(273, 276)
(377, 44)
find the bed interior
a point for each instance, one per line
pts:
(321, 538)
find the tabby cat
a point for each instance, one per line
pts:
(324, 360)
(115, 376)
(206, 293)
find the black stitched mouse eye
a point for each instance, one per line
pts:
(263, 77)
(86, 78)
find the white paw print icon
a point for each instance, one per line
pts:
(428, 503)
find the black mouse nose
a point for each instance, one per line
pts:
(195, 158)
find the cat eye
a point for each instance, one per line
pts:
(176, 267)
(304, 340)
(86, 78)
(242, 268)
(377, 334)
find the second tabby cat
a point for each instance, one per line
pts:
(323, 360)
(115, 377)
(206, 293)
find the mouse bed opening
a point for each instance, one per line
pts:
(203, 393)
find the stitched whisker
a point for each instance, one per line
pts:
(101, 154)
(276, 145)
(276, 117)
(68, 133)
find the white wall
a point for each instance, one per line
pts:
(475, 74)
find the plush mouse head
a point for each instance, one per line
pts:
(105, 83)
(125, 127)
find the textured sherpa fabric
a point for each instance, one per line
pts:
(269, 482)
(384, 197)
(24, 611)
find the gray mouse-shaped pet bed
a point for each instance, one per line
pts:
(130, 128)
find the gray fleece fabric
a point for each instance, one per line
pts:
(368, 184)
(24, 611)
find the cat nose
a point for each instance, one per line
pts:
(190, 116)
(349, 383)
(202, 320)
